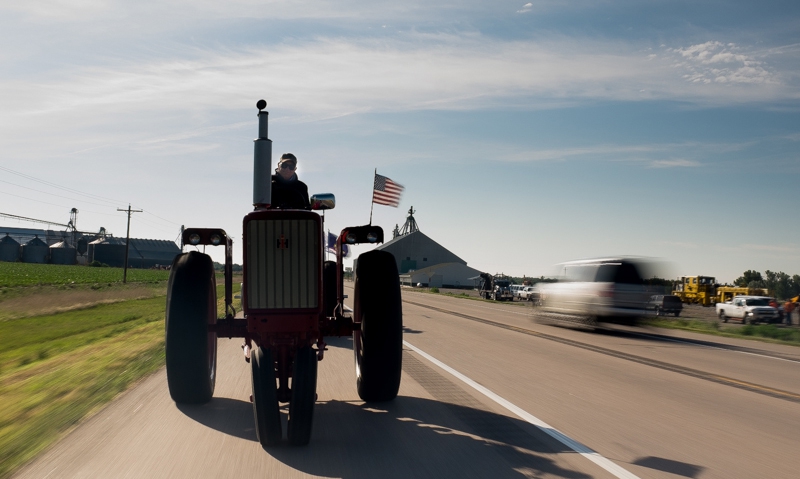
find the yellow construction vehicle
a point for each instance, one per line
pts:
(697, 290)
(726, 293)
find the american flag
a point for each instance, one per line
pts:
(386, 191)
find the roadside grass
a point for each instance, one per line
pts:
(762, 332)
(42, 300)
(28, 274)
(57, 369)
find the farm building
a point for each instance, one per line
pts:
(143, 253)
(449, 275)
(419, 256)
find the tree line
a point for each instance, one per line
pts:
(780, 284)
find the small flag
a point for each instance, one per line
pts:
(386, 191)
(332, 246)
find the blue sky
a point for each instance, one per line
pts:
(526, 134)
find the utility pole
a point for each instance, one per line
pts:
(127, 241)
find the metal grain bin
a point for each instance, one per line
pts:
(35, 251)
(9, 249)
(110, 251)
(63, 253)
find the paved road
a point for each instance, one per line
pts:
(639, 403)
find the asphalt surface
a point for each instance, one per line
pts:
(527, 400)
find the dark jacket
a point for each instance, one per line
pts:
(289, 194)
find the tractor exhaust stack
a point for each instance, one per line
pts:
(262, 160)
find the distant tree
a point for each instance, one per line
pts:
(745, 279)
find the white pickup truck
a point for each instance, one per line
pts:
(748, 309)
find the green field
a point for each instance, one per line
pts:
(55, 369)
(29, 274)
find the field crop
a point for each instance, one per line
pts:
(30, 274)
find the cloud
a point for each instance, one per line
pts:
(676, 163)
(717, 62)
(526, 8)
(327, 77)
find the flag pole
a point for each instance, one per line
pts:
(372, 205)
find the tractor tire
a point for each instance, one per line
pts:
(191, 350)
(378, 341)
(265, 398)
(329, 278)
(304, 395)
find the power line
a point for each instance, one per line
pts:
(51, 194)
(48, 183)
(71, 190)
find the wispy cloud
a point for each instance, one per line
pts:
(526, 8)
(675, 163)
(328, 77)
(717, 62)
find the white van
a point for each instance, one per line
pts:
(515, 289)
(599, 290)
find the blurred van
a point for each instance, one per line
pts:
(609, 290)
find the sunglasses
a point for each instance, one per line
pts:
(287, 166)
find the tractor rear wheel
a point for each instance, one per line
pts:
(304, 395)
(378, 341)
(265, 398)
(191, 350)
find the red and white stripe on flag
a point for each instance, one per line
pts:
(386, 191)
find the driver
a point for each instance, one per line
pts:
(287, 190)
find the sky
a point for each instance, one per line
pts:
(525, 134)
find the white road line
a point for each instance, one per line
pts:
(584, 451)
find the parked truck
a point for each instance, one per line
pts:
(497, 288)
(748, 309)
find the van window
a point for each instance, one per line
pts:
(581, 272)
(621, 273)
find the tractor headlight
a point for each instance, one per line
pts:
(351, 238)
(372, 237)
(194, 239)
(216, 239)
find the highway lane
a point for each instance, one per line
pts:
(634, 413)
(650, 421)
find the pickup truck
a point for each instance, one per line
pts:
(528, 293)
(748, 309)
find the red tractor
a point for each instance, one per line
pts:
(291, 300)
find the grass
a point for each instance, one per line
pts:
(764, 332)
(14, 275)
(57, 369)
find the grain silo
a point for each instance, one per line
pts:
(63, 253)
(35, 251)
(9, 249)
(110, 251)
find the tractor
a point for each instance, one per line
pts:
(292, 299)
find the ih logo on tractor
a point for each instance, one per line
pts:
(283, 243)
